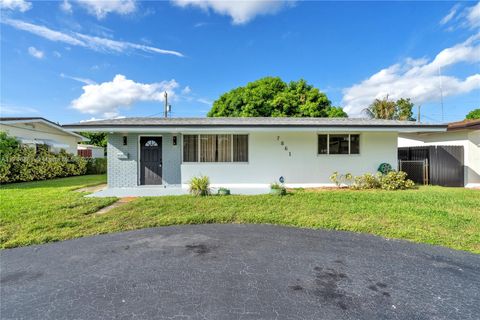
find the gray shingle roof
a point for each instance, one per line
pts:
(250, 122)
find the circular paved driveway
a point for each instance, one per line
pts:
(238, 272)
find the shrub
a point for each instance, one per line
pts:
(341, 179)
(96, 165)
(367, 181)
(22, 163)
(393, 180)
(396, 180)
(278, 189)
(200, 186)
(224, 191)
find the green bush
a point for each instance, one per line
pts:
(367, 181)
(278, 189)
(21, 163)
(200, 186)
(96, 165)
(341, 179)
(396, 180)
(393, 180)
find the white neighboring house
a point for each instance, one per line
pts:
(90, 151)
(246, 152)
(33, 131)
(463, 133)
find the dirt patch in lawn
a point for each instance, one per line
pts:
(117, 204)
(96, 188)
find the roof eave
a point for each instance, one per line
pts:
(212, 128)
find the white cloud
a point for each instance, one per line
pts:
(450, 14)
(241, 12)
(186, 90)
(34, 52)
(81, 80)
(20, 5)
(468, 17)
(420, 80)
(108, 97)
(57, 54)
(473, 16)
(14, 110)
(205, 101)
(98, 119)
(101, 8)
(66, 6)
(86, 41)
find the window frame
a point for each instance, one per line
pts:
(349, 144)
(216, 162)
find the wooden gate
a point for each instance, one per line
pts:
(445, 163)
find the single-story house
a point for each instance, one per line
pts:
(90, 151)
(33, 131)
(462, 133)
(246, 152)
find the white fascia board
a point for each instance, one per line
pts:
(58, 127)
(250, 129)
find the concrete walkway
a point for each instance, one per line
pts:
(159, 191)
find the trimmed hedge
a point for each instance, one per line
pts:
(96, 166)
(21, 163)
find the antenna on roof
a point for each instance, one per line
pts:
(165, 110)
(441, 90)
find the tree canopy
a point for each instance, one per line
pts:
(474, 114)
(95, 138)
(272, 97)
(391, 110)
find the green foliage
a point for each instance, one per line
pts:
(22, 163)
(96, 165)
(367, 181)
(278, 189)
(474, 114)
(200, 186)
(272, 97)
(223, 191)
(396, 180)
(341, 179)
(392, 110)
(393, 180)
(95, 138)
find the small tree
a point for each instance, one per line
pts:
(391, 110)
(474, 114)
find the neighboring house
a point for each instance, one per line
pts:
(463, 133)
(246, 152)
(90, 151)
(33, 131)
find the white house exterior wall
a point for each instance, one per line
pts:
(268, 160)
(41, 131)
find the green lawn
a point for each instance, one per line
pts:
(48, 211)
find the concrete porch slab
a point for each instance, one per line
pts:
(159, 191)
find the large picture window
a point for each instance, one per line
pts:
(338, 144)
(215, 148)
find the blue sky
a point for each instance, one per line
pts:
(82, 59)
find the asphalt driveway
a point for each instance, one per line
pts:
(238, 272)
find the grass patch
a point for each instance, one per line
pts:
(49, 211)
(45, 211)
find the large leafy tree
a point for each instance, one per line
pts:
(474, 114)
(272, 97)
(95, 138)
(391, 110)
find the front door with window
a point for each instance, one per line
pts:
(150, 160)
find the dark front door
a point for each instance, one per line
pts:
(150, 160)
